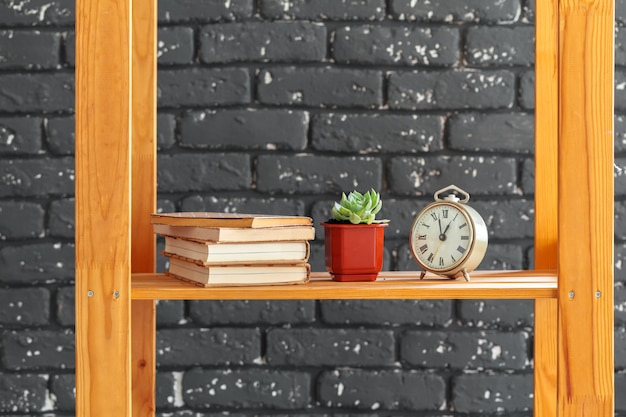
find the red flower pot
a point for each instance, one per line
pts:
(354, 252)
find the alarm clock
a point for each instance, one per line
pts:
(448, 237)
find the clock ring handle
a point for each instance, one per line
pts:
(453, 195)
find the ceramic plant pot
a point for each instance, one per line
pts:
(354, 252)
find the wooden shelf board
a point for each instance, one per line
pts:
(390, 285)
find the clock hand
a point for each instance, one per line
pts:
(446, 229)
(442, 235)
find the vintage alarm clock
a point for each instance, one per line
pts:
(448, 237)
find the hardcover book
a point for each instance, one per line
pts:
(229, 234)
(216, 253)
(214, 219)
(227, 275)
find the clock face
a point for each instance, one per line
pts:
(441, 237)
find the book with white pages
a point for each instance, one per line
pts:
(238, 253)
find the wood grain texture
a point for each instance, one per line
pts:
(546, 201)
(103, 208)
(389, 285)
(585, 265)
(143, 357)
(143, 249)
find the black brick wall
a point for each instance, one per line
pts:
(278, 106)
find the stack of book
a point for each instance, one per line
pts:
(209, 248)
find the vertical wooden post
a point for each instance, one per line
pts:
(144, 116)
(546, 198)
(103, 109)
(585, 261)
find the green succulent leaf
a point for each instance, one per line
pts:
(358, 208)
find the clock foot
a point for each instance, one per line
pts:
(422, 274)
(466, 275)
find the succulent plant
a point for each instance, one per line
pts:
(358, 208)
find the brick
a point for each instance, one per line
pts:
(60, 136)
(383, 45)
(166, 127)
(620, 386)
(22, 393)
(36, 177)
(507, 314)
(620, 46)
(170, 312)
(63, 388)
(323, 9)
(330, 347)
(512, 219)
(38, 349)
(620, 175)
(620, 214)
(620, 303)
(203, 172)
(35, 263)
(528, 176)
(29, 49)
(61, 218)
(477, 175)
(620, 12)
(251, 388)
(263, 41)
(250, 312)
(37, 12)
(203, 87)
(465, 350)
(498, 46)
(528, 12)
(69, 48)
(502, 132)
(320, 87)
(381, 390)
(620, 86)
(305, 173)
(175, 45)
(429, 313)
(492, 393)
(24, 306)
(66, 306)
(194, 347)
(167, 390)
(366, 133)
(431, 90)
(21, 220)
(245, 129)
(620, 133)
(317, 260)
(620, 348)
(289, 206)
(175, 11)
(440, 11)
(20, 135)
(620, 261)
(527, 90)
(37, 92)
(503, 257)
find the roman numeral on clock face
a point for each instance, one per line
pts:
(461, 249)
(423, 249)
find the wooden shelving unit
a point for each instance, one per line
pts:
(116, 286)
(390, 285)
